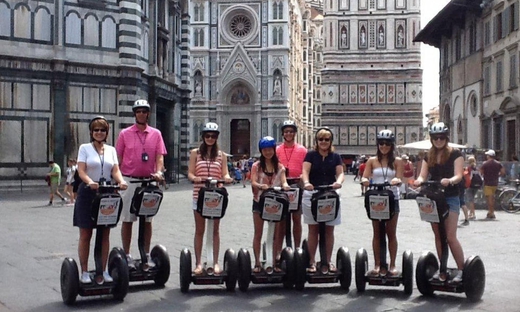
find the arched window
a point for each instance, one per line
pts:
(22, 21)
(275, 36)
(5, 20)
(280, 10)
(42, 24)
(280, 36)
(198, 87)
(108, 33)
(91, 31)
(72, 28)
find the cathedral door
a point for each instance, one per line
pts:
(240, 138)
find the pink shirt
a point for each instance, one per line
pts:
(207, 169)
(262, 178)
(132, 143)
(292, 158)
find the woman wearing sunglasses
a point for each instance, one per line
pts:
(445, 164)
(321, 167)
(206, 161)
(97, 163)
(385, 167)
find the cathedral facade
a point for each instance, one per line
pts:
(244, 71)
(371, 76)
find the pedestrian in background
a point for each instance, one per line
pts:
(55, 180)
(244, 168)
(71, 171)
(141, 151)
(491, 169)
(471, 189)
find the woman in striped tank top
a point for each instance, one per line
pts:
(205, 162)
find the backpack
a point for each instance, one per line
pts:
(476, 180)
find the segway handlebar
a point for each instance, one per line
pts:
(146, 180)
(431, 183)
(323, 187)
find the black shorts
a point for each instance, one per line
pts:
(256, 207)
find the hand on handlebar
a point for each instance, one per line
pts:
(228, 180)
(158, 176)
(123, 186)
(308, 187)
(336, 185)
(93, 185)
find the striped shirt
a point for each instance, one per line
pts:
(292, 158)
(206, 169)
(132, 144)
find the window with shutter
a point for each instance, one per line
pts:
(512, 71)
(499, 76)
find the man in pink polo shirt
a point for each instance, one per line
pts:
(140, 149)
(291, 155)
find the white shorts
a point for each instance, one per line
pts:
(127, 196)
(307, 213)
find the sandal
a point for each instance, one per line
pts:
(373, 273)
(257, 268)
(216, 269)
(198, 270)
(392, 273)
(311, 268)
(332, 268)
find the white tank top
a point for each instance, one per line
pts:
(380, 175)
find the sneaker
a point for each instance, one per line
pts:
(130, 262)
(85, 278)
(107, 277)
(150, 262)
(458, 277)
(465, 222)
(49, 204)
(438, 276)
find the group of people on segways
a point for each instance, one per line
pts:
(105, 170)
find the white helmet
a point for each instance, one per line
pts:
(386, 135)
(210, 127)
(140, 104)
(289, 123)
(439, 128)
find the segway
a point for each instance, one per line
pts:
(145, 203)
(433, 208)
(380, 206)
(106, 210)
(212, 203)
(325, 207)
(295, 202)
(274, 205)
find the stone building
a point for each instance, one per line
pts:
(64, 62)
(371, 77)
(478, 42)
(246, 69)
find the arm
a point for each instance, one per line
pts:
(399, 171)
(306, 169)
(367, 173)
(116, 173)
(159, 167)
(283, 180)
(191, 166)
(254, 178)
(225, 170)
(423, 175)
(458, 173)
(340, 177)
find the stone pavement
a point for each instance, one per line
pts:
(36, 238)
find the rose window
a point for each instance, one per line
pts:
(240, 26)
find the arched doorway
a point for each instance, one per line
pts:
(240, 137)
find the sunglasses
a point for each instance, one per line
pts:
(324, 139)
(384, 143)
(210, 136)
(99, 130)
(288, 132)
(439, 137)
(141, 111)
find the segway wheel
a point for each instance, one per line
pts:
(69, 281)
(427, 265)
(474, 278)
(408, 272)
(244, 269)
(287, 265)
(300, 269)
(115, 252)
(231, 269)
(118, 269)
(345, 267)
(161, 258)
(361, 269)
(185, 270)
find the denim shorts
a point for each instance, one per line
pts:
(454, 204)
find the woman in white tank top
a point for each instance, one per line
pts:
(385, 167)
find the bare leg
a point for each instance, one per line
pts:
(257, 239)
(105, 247)
(451, 235)
(376, 245)
(329, 236)
(391, 232)
(200, 226)
(312, 242)
(84, 247)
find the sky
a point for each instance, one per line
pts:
(430, 57)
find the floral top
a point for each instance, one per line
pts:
(263, 178)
